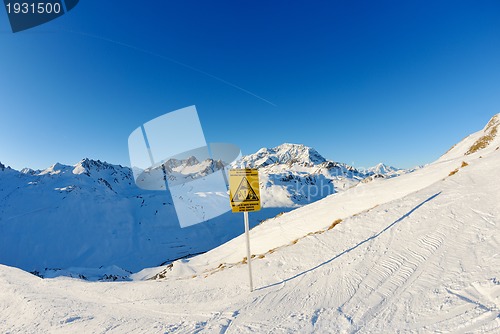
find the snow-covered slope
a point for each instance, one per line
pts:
(477, 144)
(417, 253)
(364, 196)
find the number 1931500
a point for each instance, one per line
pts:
(33, 8)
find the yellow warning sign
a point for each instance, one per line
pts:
(244, 190)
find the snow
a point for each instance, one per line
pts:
(385, 170)
(283, 154)
(92, 214)
(463, 146)
(416, 253)
(293, 175)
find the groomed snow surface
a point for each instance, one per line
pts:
(416, 253)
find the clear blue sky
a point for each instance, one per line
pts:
(361, 81)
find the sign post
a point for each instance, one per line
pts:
(244, 196)
(249, 256)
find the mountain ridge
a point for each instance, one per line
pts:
(99, 201)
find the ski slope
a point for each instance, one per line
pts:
(417, 253)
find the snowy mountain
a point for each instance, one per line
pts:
(290, 154)
(416, 253)
(92, 214)
(292, 175)
(180, 171)
(383, 169)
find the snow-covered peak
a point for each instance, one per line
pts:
(28, 171)
(172, 163)
(85, 173)
(191, 166)
(383, 169)
(284, 154)
(55, 169)
(87, 166)
(7, 169)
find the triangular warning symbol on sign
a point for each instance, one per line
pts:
(244, 192)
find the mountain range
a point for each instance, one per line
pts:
(92, 214)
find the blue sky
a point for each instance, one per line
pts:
(360, 81)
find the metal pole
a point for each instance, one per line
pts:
(249, 257)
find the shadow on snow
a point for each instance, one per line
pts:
(353, 247)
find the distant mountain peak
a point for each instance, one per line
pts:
(28, 171)
(286, 153)
(191, 161)
(384, 170)
(56, 168)
(86, 166)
